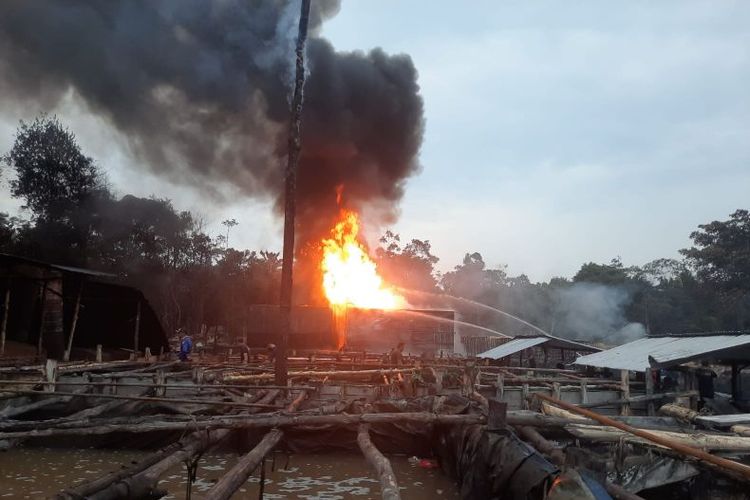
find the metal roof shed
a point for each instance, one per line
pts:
(659, 352)
(519, 344)
(512, 347)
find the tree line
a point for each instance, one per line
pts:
(71, 216)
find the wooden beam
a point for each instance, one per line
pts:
(236, 477)
(388, 484)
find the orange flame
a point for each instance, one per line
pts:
(350, 277)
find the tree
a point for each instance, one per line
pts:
(411, 266)
(721, 252)
(61, 187)
(229, 224)
(472, 280)
(53, 176)
(721, 259)
(607, 274)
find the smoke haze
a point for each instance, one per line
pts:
(595, 312)
(201, 92)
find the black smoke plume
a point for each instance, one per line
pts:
(200, 89)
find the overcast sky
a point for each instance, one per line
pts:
(557, 132)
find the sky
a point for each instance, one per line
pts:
(557, 133)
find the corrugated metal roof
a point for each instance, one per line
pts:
(512, 347)
(663, 351)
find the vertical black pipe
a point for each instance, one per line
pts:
(290, 193)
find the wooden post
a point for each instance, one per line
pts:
(6, 308)
(525, 396)
(584, 392)
(147, 354)
(50, 374)
(649, 374)
(66, 356)
(625, 384)
(137, 331)
(388, 485)
(98, 353)
(500, 387)
(556, 390)
(159, 380)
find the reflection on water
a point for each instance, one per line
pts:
(38, 473)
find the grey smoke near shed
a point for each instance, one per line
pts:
(595, 312)
(201, 89)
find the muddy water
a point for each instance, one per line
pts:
(38, 473)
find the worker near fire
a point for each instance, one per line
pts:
(397, 354)
(186, 346)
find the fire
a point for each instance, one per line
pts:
(350, 277)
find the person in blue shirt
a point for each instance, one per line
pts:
(186, 346)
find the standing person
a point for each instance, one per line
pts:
(271, 351)
(244, 352)
(186, 347)
(397, 354)
(706, 378)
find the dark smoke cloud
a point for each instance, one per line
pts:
(201, 91)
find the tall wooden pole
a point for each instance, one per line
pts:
(290, 194)
(137, 331)
(76, 311)
(6, 308)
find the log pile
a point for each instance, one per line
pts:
(207, 403)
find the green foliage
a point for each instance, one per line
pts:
(721, 252)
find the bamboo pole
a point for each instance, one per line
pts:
(277, 420)
(66, 356)
(4, 326)
(148, 399)
(730, 465)
(639, 399)
(349, 374)
(703, 441)
(388, 484)
(151, 384)
(137, 330)
(236, 477)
